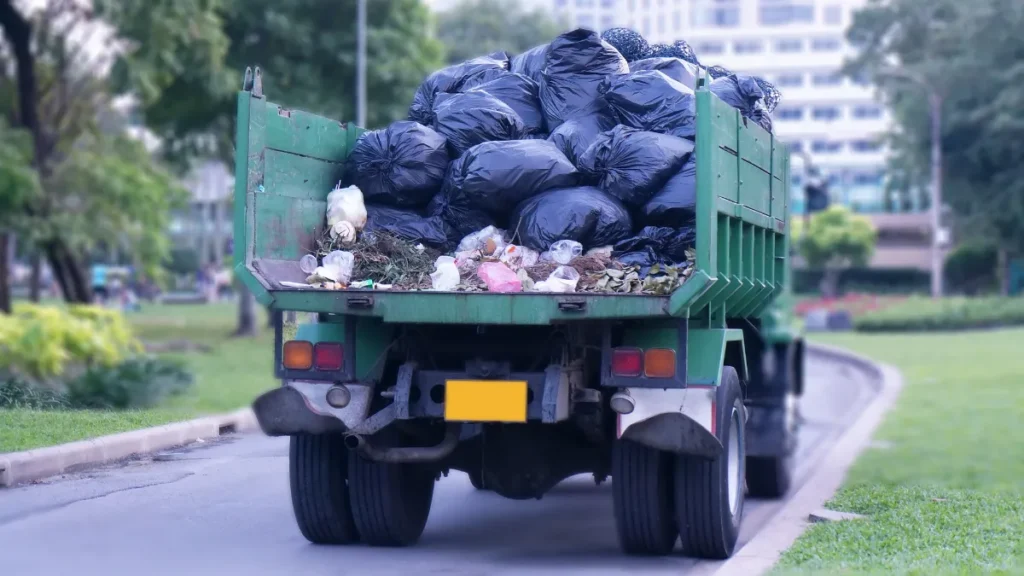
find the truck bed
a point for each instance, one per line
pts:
(288, 160)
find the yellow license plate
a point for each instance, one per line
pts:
(485, 401)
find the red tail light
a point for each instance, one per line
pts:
(328, 356)
(627, 362)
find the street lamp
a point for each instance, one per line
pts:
(361, 64)
(935, 112)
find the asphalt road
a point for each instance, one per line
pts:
(223, 508)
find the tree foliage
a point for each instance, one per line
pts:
(475, 27)
(972, 55)
(834, 239)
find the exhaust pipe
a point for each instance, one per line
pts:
(410, 454)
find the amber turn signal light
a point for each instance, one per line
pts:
(660, 363)
(298, 355)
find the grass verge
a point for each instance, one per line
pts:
(229, 377)
(944, 487)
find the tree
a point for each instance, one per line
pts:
(476, 27)
(19, 185)
(969, 54)
(835, 239)
(95, 188)
(306, 49)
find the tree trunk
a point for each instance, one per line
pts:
(35, 280)
(830, 282)
(246, 312)
(5, 273)
(68, 272)
(1003, 270)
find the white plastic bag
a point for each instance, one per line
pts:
(489, 241)
(563, 280)
(337, 267)
(346, 213)
(564, 251)
(517, 257)
(446, 275)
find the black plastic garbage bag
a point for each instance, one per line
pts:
(633, 165)
(650, 100)
(402, 165)
(628, 42)
(577, 63)
(584, 214)
(496, 176)
(575, 136)
(676, 203)
(531, 63)
(457, 221)
(743, 93)
(455, 78)
(410, 225)
(656, 245)
(675, 68)
(475, 117)
(521, 95)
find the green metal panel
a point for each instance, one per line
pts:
(288, 160)
(705, 354)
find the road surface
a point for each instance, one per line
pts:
(223, 508)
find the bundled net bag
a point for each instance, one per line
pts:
(629, 43)
(402, 165)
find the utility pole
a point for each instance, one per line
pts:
(361, 64)
(938, 236)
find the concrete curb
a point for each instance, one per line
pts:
(19, 467)
(762, 552)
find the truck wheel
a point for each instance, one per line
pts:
(318, 470)
(476, 478)
(769, 477)
(390, 502)
(642, 493)
(709, 493)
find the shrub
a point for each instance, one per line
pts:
(17, 392)
(924, 314)
(135, 383)
(971, 268)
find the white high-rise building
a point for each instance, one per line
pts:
(800, 46)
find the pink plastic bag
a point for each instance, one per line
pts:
(499, 278)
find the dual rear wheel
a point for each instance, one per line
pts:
(339, 497)
(661, 497)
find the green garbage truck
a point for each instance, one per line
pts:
(686, 401)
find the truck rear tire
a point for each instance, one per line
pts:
(318, 471)
(390, 502)
(769, 477)
(476, 478)
(709, 494)
(642, 493)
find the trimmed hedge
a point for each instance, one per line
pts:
(902, 281)
(920, 314)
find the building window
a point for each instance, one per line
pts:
(789, 113)
(677, 21)
(585, 21)
(868, 178)
(825, 147)
(710, 48)
(834, 15)
(790, 80)
(825, 113)
(662, 24)
(796, 147)
(717, 13)
(789, 45)
(607, 22)
(646, 4)
(646, 30)
(861, 79)
(825, 44)
(826, 79)
(867, 112)
(783, 12)
(865, 146)
(584, 3)
(608, 3)
(748, 47)
(561, 3)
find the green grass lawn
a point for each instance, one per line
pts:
(229, 377)
(944, 490)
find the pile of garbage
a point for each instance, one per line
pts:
(568, 168)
